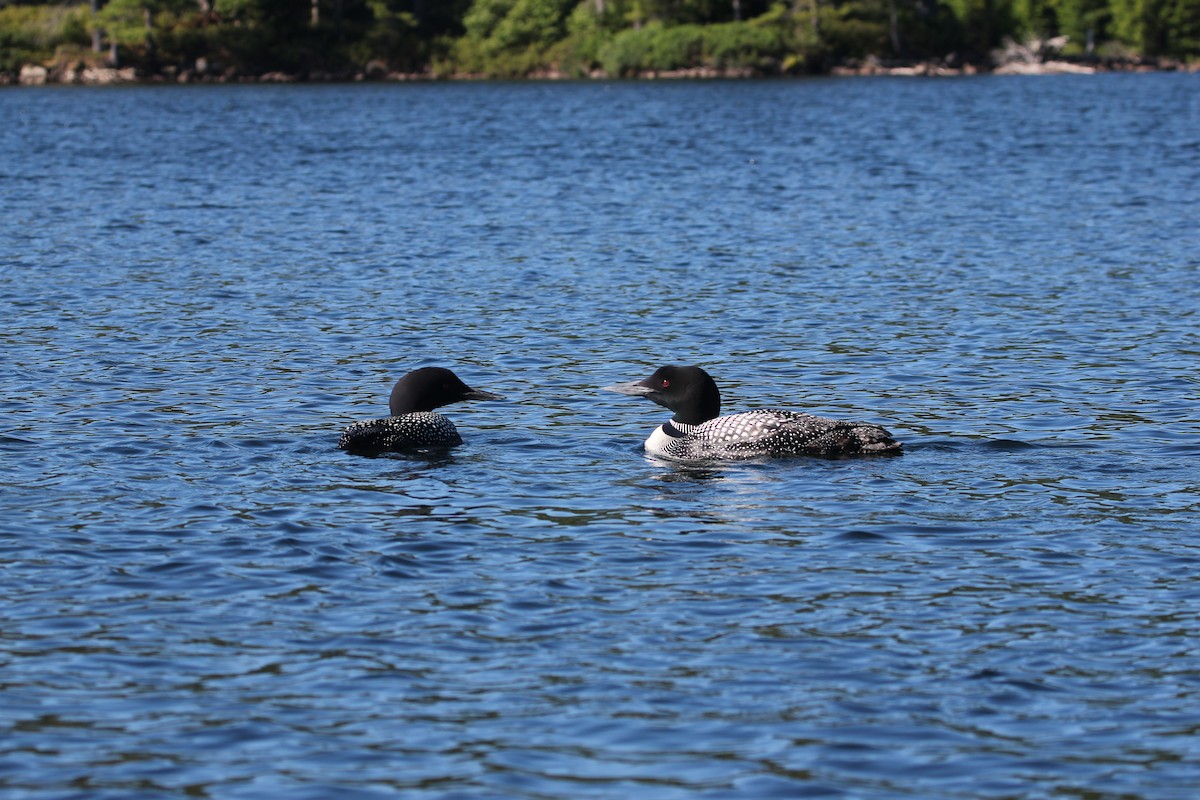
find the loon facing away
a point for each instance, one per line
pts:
(697, 432)
(413, 422)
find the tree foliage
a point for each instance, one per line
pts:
(233, 38)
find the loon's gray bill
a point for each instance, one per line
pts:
(633, 388)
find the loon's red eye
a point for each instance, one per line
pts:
(665, 383)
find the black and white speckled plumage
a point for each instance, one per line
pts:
(698, 433)
(413, 422)
(418, 429)
(771, 432)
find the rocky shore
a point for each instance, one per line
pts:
(1030, 58)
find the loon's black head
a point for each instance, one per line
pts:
(428, 388)
(688, 391)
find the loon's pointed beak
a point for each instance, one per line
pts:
(479, 394)
(631, 388)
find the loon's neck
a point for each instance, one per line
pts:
(663, 437)
(675, 428)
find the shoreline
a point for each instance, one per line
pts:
(80, 74)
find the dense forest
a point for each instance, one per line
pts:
(341, 39)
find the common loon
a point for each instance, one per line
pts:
(698, 432)
(413, 422)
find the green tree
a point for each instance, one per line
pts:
(514, 24)
(519, 37)
(390, 35)
(511, 37)
(134, 22)
(1077, 19)
(267, 35)
(855, 28)
(31, 33)
(1159, 27)
(1185, 27)
(701, 12)
(435, 18)
(985, 23)
(1135, 23)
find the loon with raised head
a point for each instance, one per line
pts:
(697, 432)
(413, 422)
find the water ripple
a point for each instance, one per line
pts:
(202, 596)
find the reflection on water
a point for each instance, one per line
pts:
(203, 596)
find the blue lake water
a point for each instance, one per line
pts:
(201, 597)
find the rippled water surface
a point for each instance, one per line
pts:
(202, 597)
